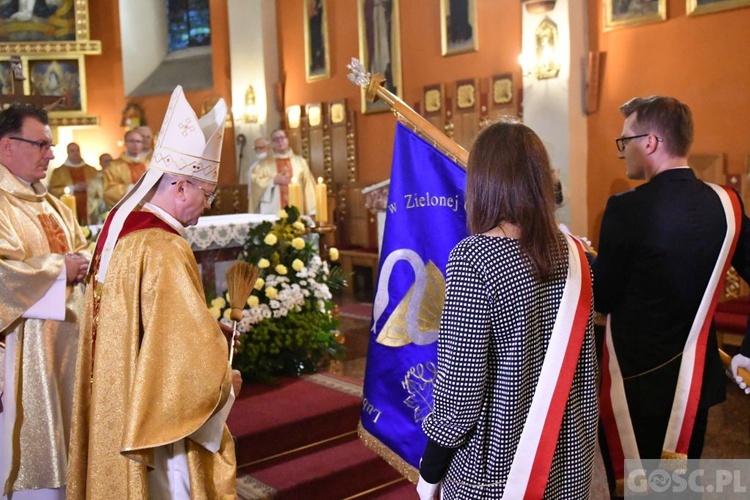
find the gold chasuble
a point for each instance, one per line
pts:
(262, 176)
(152, 369)
(36, 230)
(121, 174)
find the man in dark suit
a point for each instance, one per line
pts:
(659, 246)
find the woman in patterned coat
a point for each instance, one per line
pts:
(516, 286)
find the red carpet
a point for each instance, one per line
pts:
(357, 310)
(298, 440)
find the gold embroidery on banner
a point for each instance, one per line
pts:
(58, 243)
(395, 332)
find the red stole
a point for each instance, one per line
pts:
(58, 242)
(136, 171)
(78, 176)
(284, 166)
(618, 428)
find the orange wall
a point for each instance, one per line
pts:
(700, 60)
(104, 84)
(499, 26)
(106, 91)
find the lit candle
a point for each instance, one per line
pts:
(69, 200)
(321, 201)
(295, 196)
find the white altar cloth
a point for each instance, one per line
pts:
(223, 231)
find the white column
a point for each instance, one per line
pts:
(554, 108)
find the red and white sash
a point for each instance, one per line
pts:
(616, 422)
(533, 459)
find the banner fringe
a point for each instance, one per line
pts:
(398, 463)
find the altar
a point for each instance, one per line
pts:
(216, 241)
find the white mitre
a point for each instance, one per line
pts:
(186, 146)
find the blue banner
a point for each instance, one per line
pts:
(425, 219)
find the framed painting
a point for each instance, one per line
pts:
(697, 7)
(6, 77)
(380, 46)
(622, 13)
(46, 27)
(458, 26)
(60, 75)
(317, 62)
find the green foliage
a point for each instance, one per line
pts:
(287, 326)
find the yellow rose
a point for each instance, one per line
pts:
(298, 243)
(253, 301)
(281, 269)
(86, 231)
(219, 302)
(297, 265)
(228, 313)
(92, 247)
(333, 253)
(299, 226)
(270, 239)
(281, 214)
(263, 263)
(259, 283)
(271, 292)
(215, 312)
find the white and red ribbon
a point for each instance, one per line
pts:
(618, 428)
(532, 462)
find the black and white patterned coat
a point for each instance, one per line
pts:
(494, 331)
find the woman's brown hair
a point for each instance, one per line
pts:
(510, 180)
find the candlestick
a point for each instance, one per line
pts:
(69, 200)
(295, 196)
(321, 202)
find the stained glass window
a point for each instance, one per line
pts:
(189, 24)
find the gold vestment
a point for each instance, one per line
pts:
(152, 368)
(121, 174)
(31, 222)
(261, 178)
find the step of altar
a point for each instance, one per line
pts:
(338, 470)
(298, 439)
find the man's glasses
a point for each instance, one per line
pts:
(279, 138)
(210, 197)
(43, 146)
(623, 141)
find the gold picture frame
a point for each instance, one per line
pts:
(380, 52)
(62, 30)
(698, 7)
(317, 54)
(458, 30)
(619, 14)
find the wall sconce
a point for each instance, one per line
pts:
(250, 113)
(293, 116)
(546, 61)
(538, 6)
